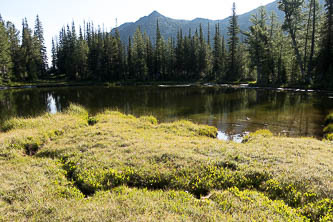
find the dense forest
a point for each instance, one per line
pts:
(298, 52)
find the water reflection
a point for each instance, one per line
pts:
(51, 104)
(232, 111)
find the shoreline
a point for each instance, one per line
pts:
(164, 85)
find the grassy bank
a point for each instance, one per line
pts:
(328, 129)
(71, 166)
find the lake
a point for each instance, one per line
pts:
(234, 111)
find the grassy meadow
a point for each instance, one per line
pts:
(114, 167)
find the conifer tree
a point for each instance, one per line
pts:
(29, 52)
(233, 43)
(41, 59)
(5, 58)
(139, 63)
(325, 60)
(15, 52)
(81, 52)
(259, 47)
(130, 68)
(149, 56)
(54, 56)
(159, 50)
(202, 55)
(217, 55)
(292, 23)
(179, 53)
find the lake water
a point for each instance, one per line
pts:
(234, 112)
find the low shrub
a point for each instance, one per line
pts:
(329, 119)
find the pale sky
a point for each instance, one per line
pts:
(56, 13)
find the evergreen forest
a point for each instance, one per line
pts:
(297, 52)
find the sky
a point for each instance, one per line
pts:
(54, 14)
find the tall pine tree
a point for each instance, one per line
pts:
(234, 66)
(5, 58)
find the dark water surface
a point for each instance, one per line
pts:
(233, 111)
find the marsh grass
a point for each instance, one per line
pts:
(117, 167)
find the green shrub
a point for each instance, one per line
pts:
(208, 131)
(328, 128)
(329, 119)
(321, 210)
(329, 136)
(92, 121)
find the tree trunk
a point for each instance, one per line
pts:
(295, 46)
(312, 42)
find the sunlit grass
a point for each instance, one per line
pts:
(112, 166)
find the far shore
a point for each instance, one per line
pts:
(55, 84)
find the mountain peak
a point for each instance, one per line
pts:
(155, 14)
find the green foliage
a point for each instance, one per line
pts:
(321, 210)
(92, 121)
(329, 119)
(235, 71)
(297, 53)
(328, 128)
(5, 57)
(329, 136)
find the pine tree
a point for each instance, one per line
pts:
(149, 51)
(292, 24)
(54, 56)
(202, 55)
(15, 51)
(5, 58)
(130, 65)
(233, 43)
(41, 60)
(119, 56)
(29, 52)
(259, 47)
(325, 60)
(170, 59)
(158, 57)
(217, 55)
(179, 53)
(81, 52)
(139, 63)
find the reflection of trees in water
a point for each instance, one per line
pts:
(22, 103)
(234, 110)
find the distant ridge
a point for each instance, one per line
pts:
(169, 27)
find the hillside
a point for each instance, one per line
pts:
(169, 27)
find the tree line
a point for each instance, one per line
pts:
(23, 55)
(297, 52)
